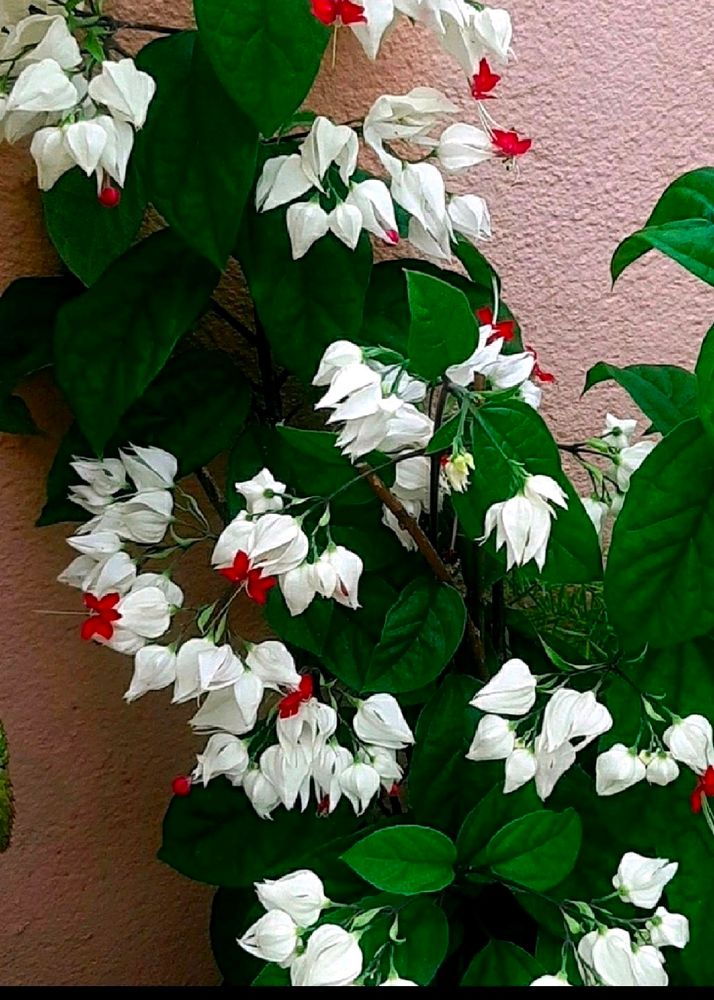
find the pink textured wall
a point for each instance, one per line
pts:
(618, 98)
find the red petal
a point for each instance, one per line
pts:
(91, 602)
(485, 316)
(289, 705)
(258, 586)
(707, 782)
(96, 627)
(351, 13)
(483, 81)
(106, 603)
(696, 801)
(305, 687)
(325, 10)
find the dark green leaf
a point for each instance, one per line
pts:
(113, 340)
(272, 975)
(267, 55)
(487, 817)
(197, 149)
(444, 436)
(705, 382)
(502, 964)
(443, 328)
(666, 394)
(537, 850)
(57, 507)
(404, 859)
(477, 267)
(514, 431)
(314, 466)
(234, 910)
(86, 235)
(659, 584)
(424, 932)
(317, 300)
(421, 633)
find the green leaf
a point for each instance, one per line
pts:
(477, 267)
(86, 235)
(444, 436)
(665, 393)
(502, 964)
(318, 299)
(442, 783)
(421, 633)
(404, 859)
(214, 835)
(57, 507)
(272, 975)
(424, 934)
(232, 911)
(538, 850)
(443, 327)
(197, 148)
(28, 308)
(659, 584)
(113, 340)
(314, 466)
(681, 226)
(705, 382)
(487, 817)
(514, 431)
(267, 55)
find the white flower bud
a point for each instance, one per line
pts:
(690, 741)
(617, 769)
(511, 691)
(668, 929)
(273, 938)
(379, 720)
(332, 958)
(640, 880)
(494, 739)
(301, 894)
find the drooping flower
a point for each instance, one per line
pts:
(551, 765)
(307, 222)
(573, 715)
(661, 767)
(326, 144)
(379, 720)
(403, 117)
(629, 459)
(332, 958)
(617, 769)
(606, 956)
(125, 90)
(202, 666)
(462, 146)
(521, 767)
(359, 783)
(494, 739)
(668, 930)
(42, 86)
(253, 553)
(470, 217)
(262, 794)
(374, 202)
(523, 522)
(125, 622)
(273, 938)
(339, 355)
(282, 180)
(456, 470)
(419, 189)
(597, 511)
(262, 493)
(154, 670)
(224, 754)
(691, 742)
(641, 881)
(617, 432)
(511, 691)
(288, 771)
(300, 894)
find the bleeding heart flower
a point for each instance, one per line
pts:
(484, 81)
(509, 144)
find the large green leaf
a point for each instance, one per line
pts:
(665, 393)
(214, 835)
(404, 859)
(113, 340)
(86, 235)
(705, 382)
(28, 308)
(266, 54)
(502, 964)
(315, 467)
(421, 633)
(443, 328)
(487, 817)
(514, 431)
(659, 584)
(680, 226)
(198, 149)
(537, 850)
(304, 305)
(423, 933)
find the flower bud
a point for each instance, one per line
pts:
(690, 741)
(617, 769)
(301, 894)
(511, 691)
(332, 958)
(494, 739)
(641, 880)
(273, 938)
(379, 720)
(668, 929)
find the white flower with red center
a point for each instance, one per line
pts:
(508, 144)
(253, 553)
(126, 622)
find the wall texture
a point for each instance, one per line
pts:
(618, 98)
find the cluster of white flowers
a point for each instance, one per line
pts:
(613, 482)
(80, 110)
(569, 721)
(327, 955)
(324, 166)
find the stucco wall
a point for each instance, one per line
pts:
(618, 98)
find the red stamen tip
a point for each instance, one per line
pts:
(181, 786)
(392, 237)
(109, 197)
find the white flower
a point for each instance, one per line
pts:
(85, 141)
(509, 370)
(224, 754)
(355, 391)
(299, 587)
(379, 16)
(419, 189)
(374, 202)
(662, 768)
(125, 90)
(359, 783)
(668, 929)
(608, 955)
(203, 666)
(96, 543)
(531, 394)
(521, 766)
(559, 980)
(482, 360)
(309, 728)
(274, 543)
(617, 432)
(327, 766)
(273, 663)
(690, 741)
(617, 769)
(104, 477)
(523, 522)
(397, 981)
(282, 180)
(262, 493)
(337, 574)
(39, 37)
(143, 613)
(551, 765)
(494, 27)
(117, 150)
(51, 156)
(394, 117)
(143, 518)
(154, 669)
(597, 511)
(221, 712)
(457, 470)
(463, 146)
(326, 144)
(494, 739)
(332, 958)
(470, 217)
(641, 880)
(300, 894)
(288, 771)
(629, 459)
(150, 468)
(273, 938)
(407, 429)
(571, 715)
(648, 966)
(262, 794)
(511, 691)
(339, 355)
(379, 720)
(307, 222)
(345, 222)
(42, 86)
(384, 761)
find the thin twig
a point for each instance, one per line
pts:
(435, 467)
(432, 557)
(156, 29)
(227, 316)
(271, 391)
(212, 491)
